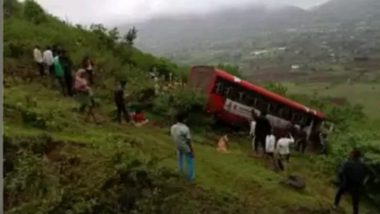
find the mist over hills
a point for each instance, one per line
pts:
(172, 35)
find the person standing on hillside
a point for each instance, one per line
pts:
(120, 102)
(48, 59)
(353, 174)
(88, 65)
(67, 68)
(39, 60)
(282, 151)
(263, 128)
(252, 128)
(182, 139)
(59, 72)
(84, 93)
(270, 144)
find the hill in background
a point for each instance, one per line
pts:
(324, 37)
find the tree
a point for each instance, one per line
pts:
(114, 34)
(11, 7)
(131, 36)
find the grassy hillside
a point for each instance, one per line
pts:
(55, 162)
(364, 94)
(74, 159)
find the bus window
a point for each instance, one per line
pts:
(248, 99)
(275, 110)
(219, 87)
(242, 97)
(227, 91)
(286, 113)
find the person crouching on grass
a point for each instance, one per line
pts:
(222, 144)
(180, 133)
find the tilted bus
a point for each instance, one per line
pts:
(231, 100)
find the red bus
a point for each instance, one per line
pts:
(232, 100)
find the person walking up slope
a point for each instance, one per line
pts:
(48, 59)
(84, 93)
(37, 55)
(181, 136)
(353, 174)
(67, 67)
(59, 72)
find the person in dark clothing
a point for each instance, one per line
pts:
(120, 102)
(352, 175)
(67, 67)
(263, 128)
(55, 50)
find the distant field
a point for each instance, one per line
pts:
(366, 94)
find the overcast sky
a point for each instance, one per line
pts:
(118, 11)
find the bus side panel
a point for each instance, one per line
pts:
(215, 106)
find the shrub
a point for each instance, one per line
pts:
(33, 12)
(182, 100)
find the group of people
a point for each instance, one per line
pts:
(352, 173)
(261, 133)
(56, 62)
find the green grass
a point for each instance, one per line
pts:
(234, 173)
(365, 94)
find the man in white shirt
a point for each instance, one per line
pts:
(282, 150)
(283, 144)
(37, 55)
(270, 144)
(48, 59)
(252, 129)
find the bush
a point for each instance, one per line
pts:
(121, 183)
(33, 12)
(183, 100)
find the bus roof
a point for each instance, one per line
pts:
(267, 93)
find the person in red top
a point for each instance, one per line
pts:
(139, 118)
